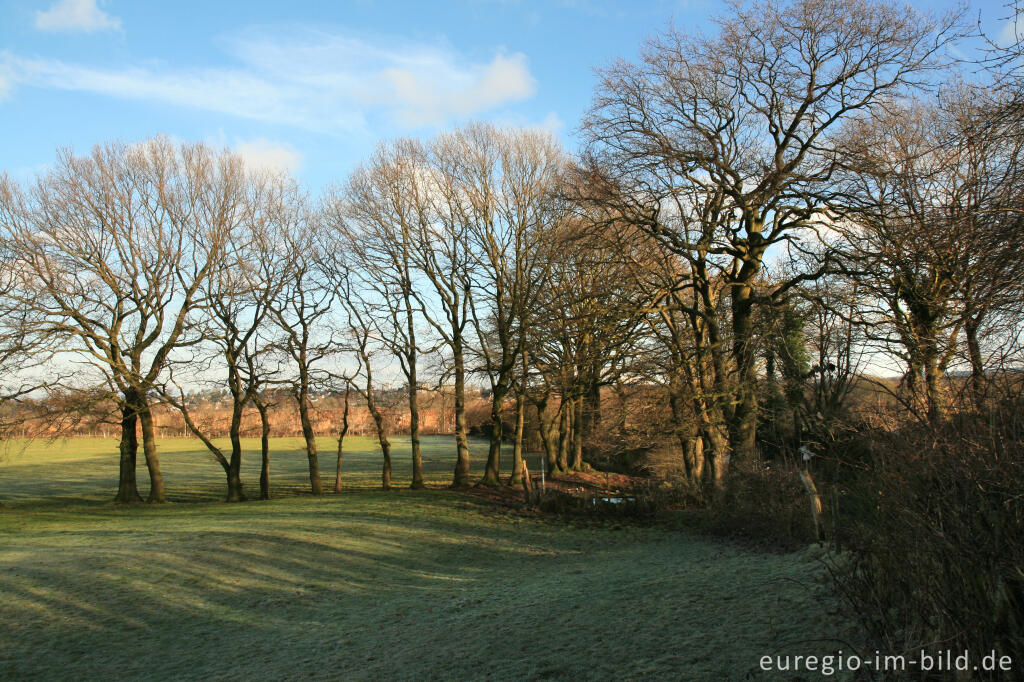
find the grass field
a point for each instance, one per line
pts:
(412, 585)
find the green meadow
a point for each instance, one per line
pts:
(429, 584)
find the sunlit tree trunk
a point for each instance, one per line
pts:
(127, 489)
(156, 478)
(302, 398)
(576, 456)
(564, 436)
(493, 467)
(517, 448)
(720, 455)
(461, 477)
(681, 432)
(378, 420)
(547, 432)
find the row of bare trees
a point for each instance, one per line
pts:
(769, 206)
(151, 269)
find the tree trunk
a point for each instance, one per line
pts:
(526, 481)
(378, 418)
(234, 472)
(695, 453)
(910, 379)
(591, 408)
(933, 382)
(230, 466)
(517, 446)
(815, 498)
(675, 401)
(720, 456)
(337, 469)
(493, 467)
(264, 450)
(562, 463)
(156, 477)
(461, 477)
(933, 388)
(547, 428)
(414, 409)
(743, 426)
(316, 487)
(414, 430)
(382, 438)
(622, 412)
(341, 440)
(977, 362)
(127, 488)
(385, 450)
(235, 493)
(576, 456)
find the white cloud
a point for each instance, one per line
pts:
(414, 84)
(76, 16)
(264, 154)
(314, 80)
(424, 96)
(5, 86)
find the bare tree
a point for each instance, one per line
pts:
(378, 216)
(932, 214)
(235, 320)
(366, 343)
(114, 250)
(584, 324)
(25, 349)
(723, 147)
(686, 315)
(442, 255)
(504, 204)
(302, 313)
(1004, 61)
(343, 428)
(836, 347)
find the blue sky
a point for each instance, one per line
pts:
(310, 86)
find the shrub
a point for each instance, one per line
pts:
(936, 529)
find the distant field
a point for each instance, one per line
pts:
(86, 468)
(367, 585)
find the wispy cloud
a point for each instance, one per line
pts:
(552, 123)
(69, 16)
(414, 83)
(317, 80)
(264, 154)
(229, 91)
(424, 97)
